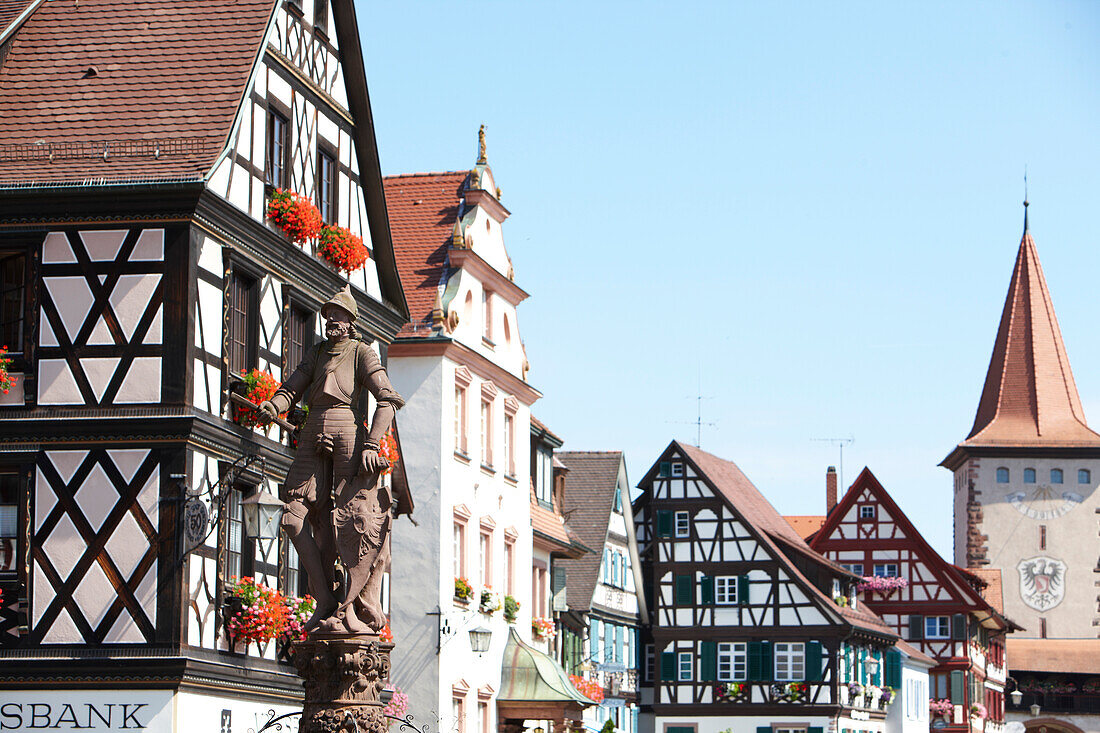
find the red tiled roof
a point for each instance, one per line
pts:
(10, 10)
(1029, 398)
(588, 501)
(805, 524)
(915, 653)
(754, 508)
(128, 74)
(549, 523)
(423, 208)
(1079, 656)
(993, 592)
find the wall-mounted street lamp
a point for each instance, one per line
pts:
(1035, 711)
(1017, 697)
(479, 639)
(872, 665)
(262, 512)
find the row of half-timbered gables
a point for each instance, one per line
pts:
(139, 275)
(936, 606)
(746, 620)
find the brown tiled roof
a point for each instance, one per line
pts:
(1080, 656)
(10, 10)
(805, 524)
(1029, 398)
(551, 525)
(751, 505)
(539, 425)
(588, 502)
(912, 651)
(128, 74)
(993, 593)
(423, 208)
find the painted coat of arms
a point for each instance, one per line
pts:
(1042, 582)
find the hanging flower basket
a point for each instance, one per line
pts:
(463, 590)
(298, 612)
(589, 688)
(543, 628)
(942, 707)
(343, 249)
(490, 602)
(877, 584)
(796, 690)
(7, 381)
(511, 608)
(255, 613)
(978, 711)
(398, 706)
(258, 386)
(887, 696)
(295, 215)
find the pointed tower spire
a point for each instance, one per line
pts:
(1030, 397)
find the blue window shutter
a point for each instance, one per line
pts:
(813, 661)
(743, 589)
(668, 666)
(893, 668)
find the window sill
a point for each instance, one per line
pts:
(460, 456)
(513, 480)
(488, 343)
(488, 470)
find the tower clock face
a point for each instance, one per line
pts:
(1044, 502)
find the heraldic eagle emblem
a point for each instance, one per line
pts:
(1042, 582)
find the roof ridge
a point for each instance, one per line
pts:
(426, 174)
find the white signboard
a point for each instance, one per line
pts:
(218, 714)
(88, 710)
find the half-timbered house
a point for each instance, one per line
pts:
(747, 623)
(936, 606)
(605, 585)
(139, 145)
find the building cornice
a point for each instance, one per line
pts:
(473, 263)
(959, 455)
(465, 356)
(487, 201)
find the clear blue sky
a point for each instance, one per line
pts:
(810, 210)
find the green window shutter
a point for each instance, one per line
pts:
(664, 523)
(668, 666)
(743, 589)
(916, 627)
(664, 468)
(815, 729)
(706, 585)
(683, 590)
(708, 661)
(813, 661)
(754, 662)
(767, 669)
(958, 684)
(893, 668)
(763, 729)
(958, 627)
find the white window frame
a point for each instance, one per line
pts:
(886, 569)
(677, 470)
(852, 567)
(790, 661)
(685, 666)
(867, 511)
(685, 530)
(733, 661)
(725, 590)
(942, 627)
(460, 418)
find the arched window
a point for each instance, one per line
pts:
(1002, 475)
(1084, 476)
(1029, 475)
(1056, 475)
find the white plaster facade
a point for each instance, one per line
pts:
(909, 712)
(465, 436)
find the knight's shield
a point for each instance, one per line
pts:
(1042, 582)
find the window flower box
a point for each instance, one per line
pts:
(490, 602)
(885, 586)
(543, 628)
(464, 592)
(295, 215)
(511, 608)
(343, 249)
(589, 688)
(730, 691)
(978, 711)
(7, 379)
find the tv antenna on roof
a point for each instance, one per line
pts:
(840, 443)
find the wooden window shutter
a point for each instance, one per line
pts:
(668, 666)
(893, 668)
(816, 729)
(755, 674)
(557, 579)
(664, 468)
(683, 590)
(664, 523)
(763, 729)
(958, 686)
(916, 627)
(706, 586)
(813, 661)
(958, 627)
(743, 590)
(708, 661)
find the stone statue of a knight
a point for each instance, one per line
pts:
(335, 505)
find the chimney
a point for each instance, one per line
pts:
(830, 489)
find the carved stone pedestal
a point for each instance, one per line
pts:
(343, 675)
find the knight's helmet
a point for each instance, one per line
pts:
(343, 300)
